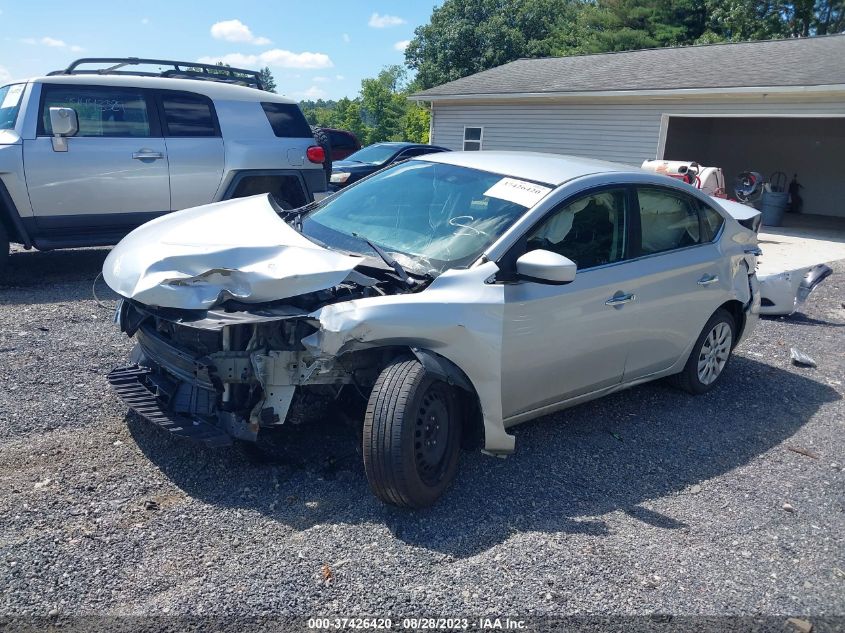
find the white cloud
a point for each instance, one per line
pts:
(378, 21)
(273, 57)
(321, 80)
(51, 42)
(346, 38)
(401, 46)
(145, 21)
(5, 75)
(314, 92)
(236, 31)
(339, 77)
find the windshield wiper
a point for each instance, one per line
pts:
(396, 266)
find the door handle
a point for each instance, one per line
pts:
(618, 300)
(142, 155)
(708, 279)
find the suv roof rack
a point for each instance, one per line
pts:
(178, 70)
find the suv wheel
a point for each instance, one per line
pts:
(709, 356)
(412, 435)
(4, 247)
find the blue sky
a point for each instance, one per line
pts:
(321, 48)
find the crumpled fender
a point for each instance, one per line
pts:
(459, 316)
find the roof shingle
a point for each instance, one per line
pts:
(812, 61)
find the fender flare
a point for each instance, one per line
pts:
(9, 211)
(444, 369)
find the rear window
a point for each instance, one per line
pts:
(187, 114)
(287, 120)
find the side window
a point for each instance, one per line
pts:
(416, 151)
(711, 222)
(101, 110)
(590, 231)
(187, 114)
(287, 120)
(473, 138)
(668, 220)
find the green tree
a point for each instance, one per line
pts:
(383, 105)
(417, 122)
(267, 79)
(468, 36)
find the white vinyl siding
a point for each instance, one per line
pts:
(615, 131)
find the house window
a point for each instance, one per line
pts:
(473, 137)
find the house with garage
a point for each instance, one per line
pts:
(770, 106)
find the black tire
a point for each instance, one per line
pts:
(4, 247)
(324, 141)
(690, 378)
(409, 457)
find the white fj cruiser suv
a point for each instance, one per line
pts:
(88, 155)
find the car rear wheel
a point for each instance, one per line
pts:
(710, 355)
(412, 435)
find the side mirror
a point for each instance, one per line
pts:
(64, 123)
(546, 267)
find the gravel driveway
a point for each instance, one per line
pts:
(646, 501)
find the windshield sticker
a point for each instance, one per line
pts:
(519, 191)
(12, 96)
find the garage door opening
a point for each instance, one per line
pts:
(810, 149)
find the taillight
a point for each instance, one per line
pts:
(316, 154)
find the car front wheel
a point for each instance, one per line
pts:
(709, 356)
(412, 434)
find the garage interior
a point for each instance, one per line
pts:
(813, 149)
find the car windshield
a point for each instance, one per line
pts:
(10, 100)
(374, 154)
(429, 216)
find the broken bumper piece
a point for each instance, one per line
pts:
(137, 387)
(784, 292)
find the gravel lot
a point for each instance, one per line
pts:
(646, 501)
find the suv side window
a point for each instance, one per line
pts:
(287, 120)
(188, 114)
(101, 110)
(590, 231)
(668, 220)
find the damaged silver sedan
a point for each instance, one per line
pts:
(453, 296)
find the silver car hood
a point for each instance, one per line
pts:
(238, 249)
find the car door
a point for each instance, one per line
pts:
(681, 278)
(194, 147)
(114, 174)
(562, 341)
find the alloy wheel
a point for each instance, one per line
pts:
(714, 353)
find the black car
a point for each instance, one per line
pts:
(374, 157)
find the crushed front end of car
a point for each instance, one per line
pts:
(219, 326)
